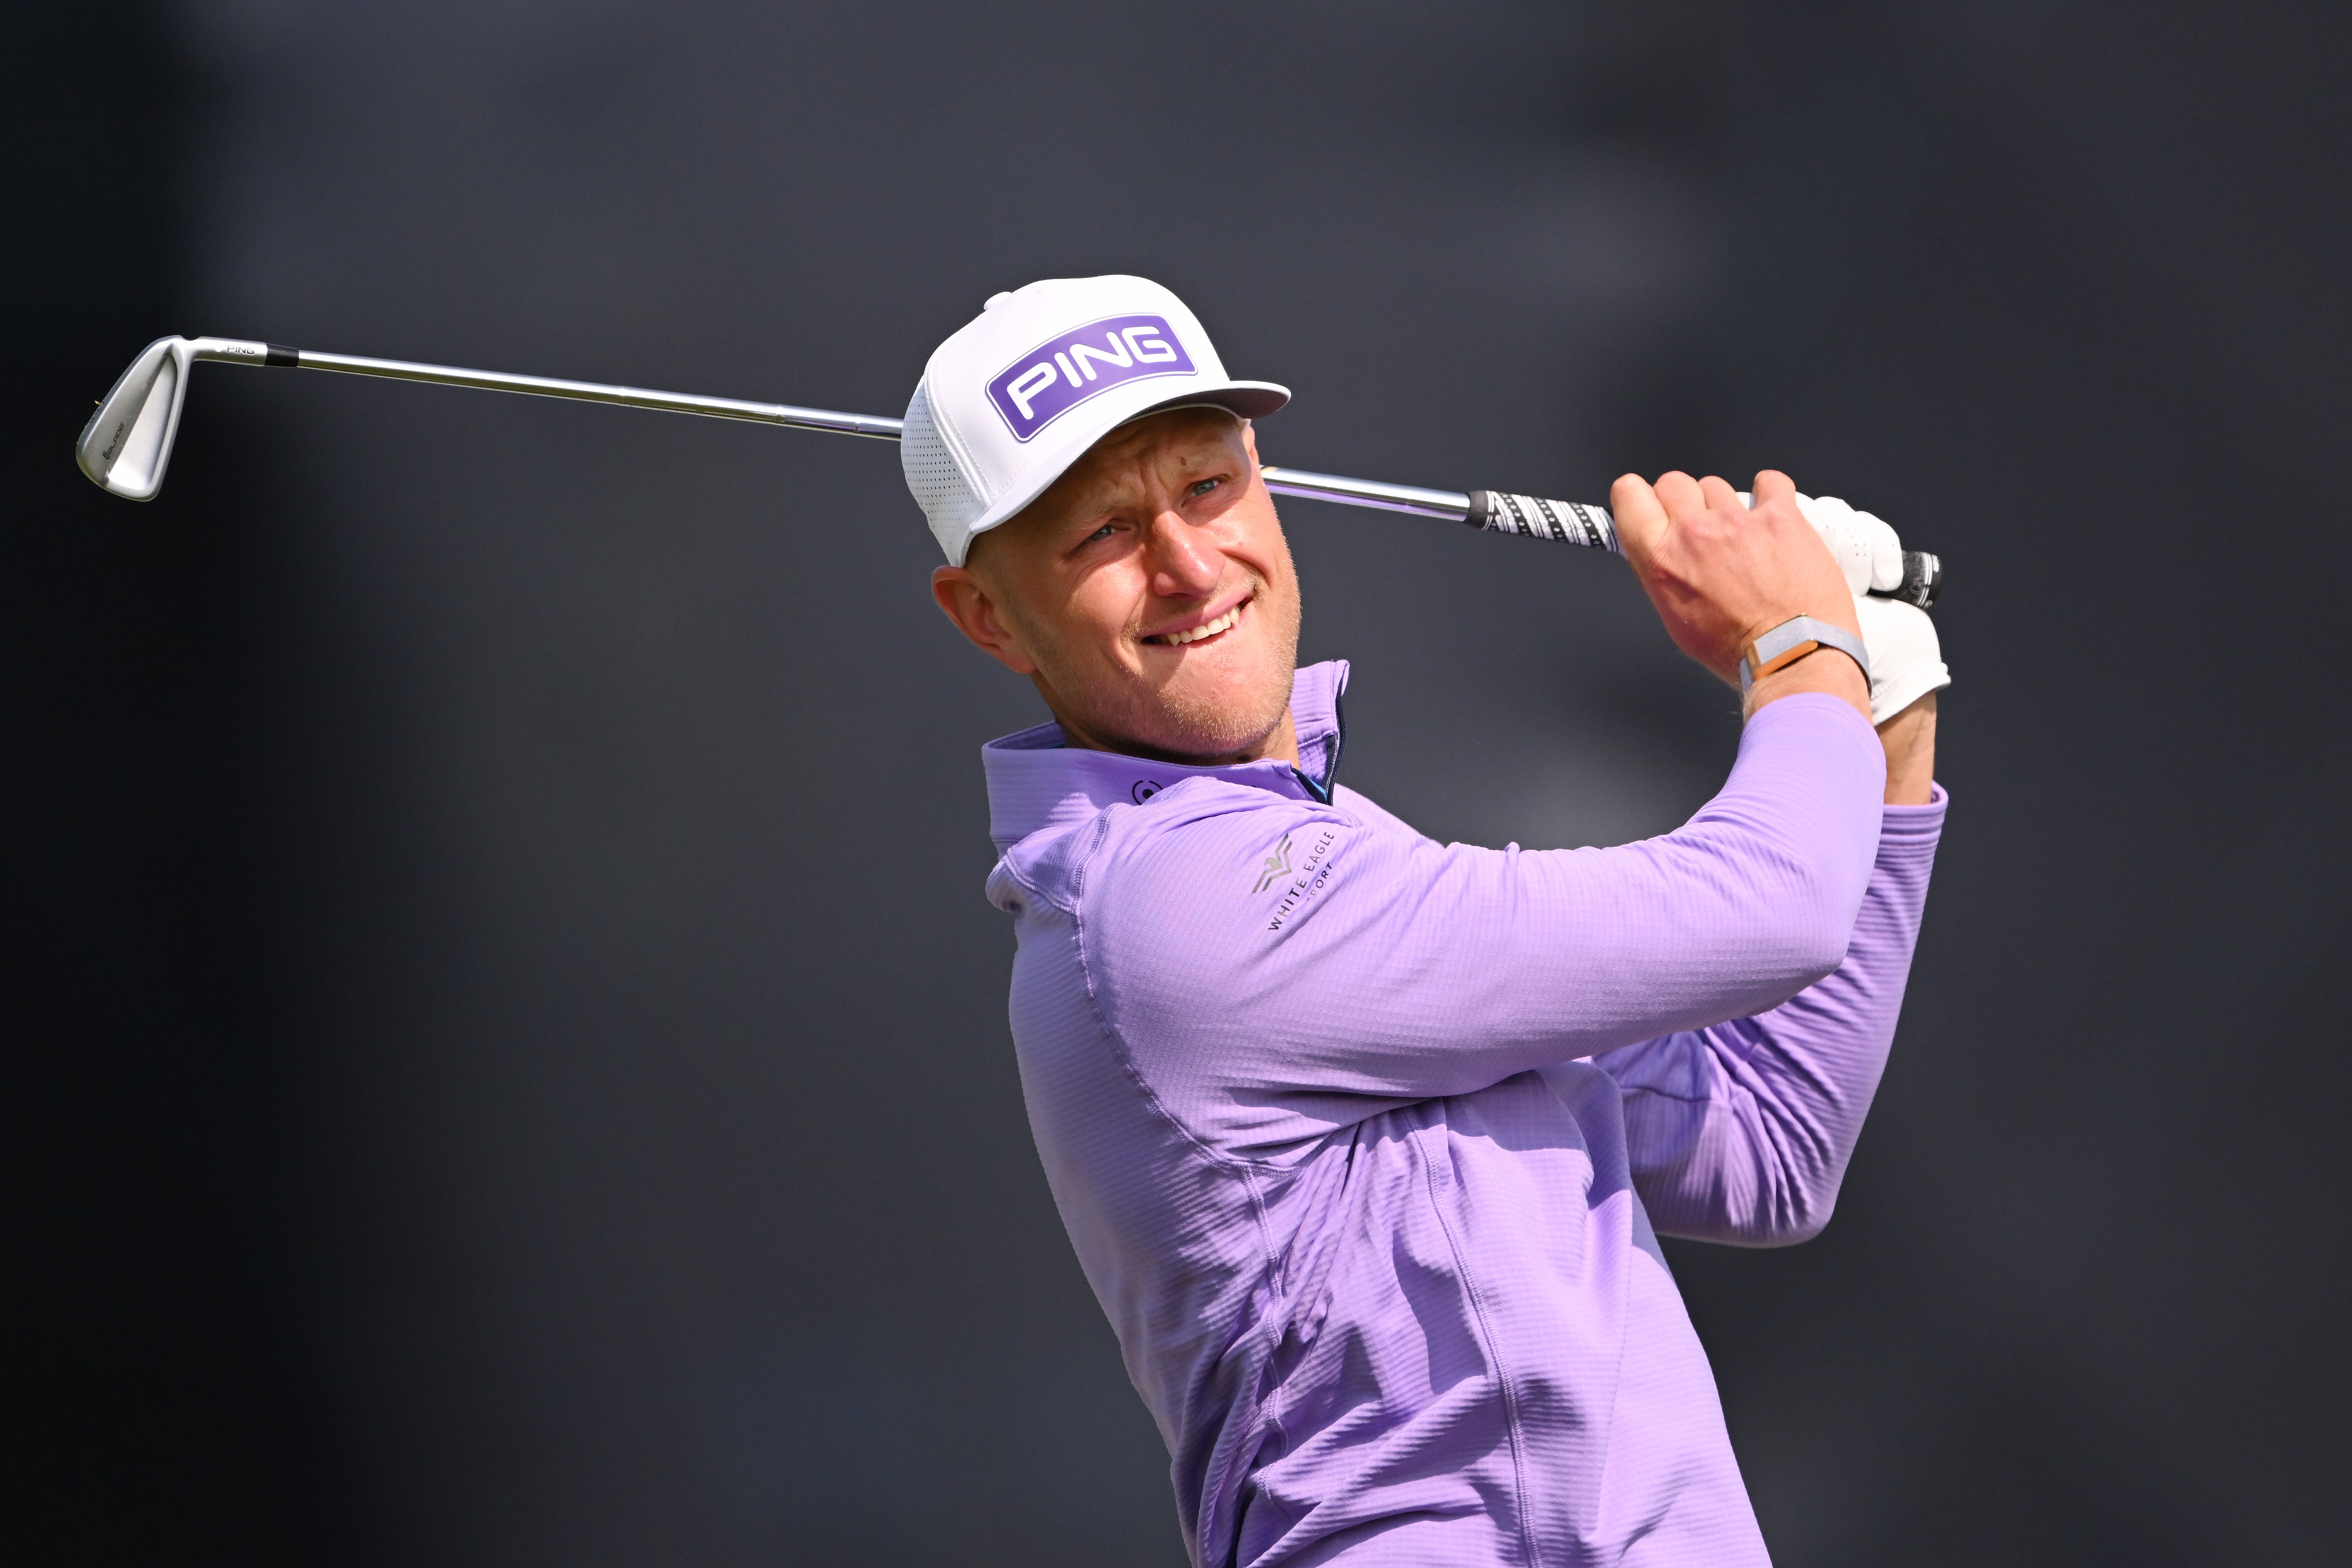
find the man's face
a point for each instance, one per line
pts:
(1148, 593)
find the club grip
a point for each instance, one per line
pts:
(1562, 521)
(1923, 579)
(1573, 522)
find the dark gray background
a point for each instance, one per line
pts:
(508, 1047)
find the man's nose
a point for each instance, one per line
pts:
(1185, 565)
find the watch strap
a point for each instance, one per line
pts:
(1791, 640)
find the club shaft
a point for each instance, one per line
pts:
(1562, 521)
(1451, 505)
(1454, 506)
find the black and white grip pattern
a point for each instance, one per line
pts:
(1565, 521)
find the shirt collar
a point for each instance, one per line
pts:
(1036, 782)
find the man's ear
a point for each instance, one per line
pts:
(962, 600)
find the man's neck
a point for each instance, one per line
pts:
(1280, 743)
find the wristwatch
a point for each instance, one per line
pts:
(1791, 640)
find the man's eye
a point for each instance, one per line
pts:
(1105, 531)
(1204, 487)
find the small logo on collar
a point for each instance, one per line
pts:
(1144, 790)
(1278, 864)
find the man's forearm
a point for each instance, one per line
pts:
(1910, 740)
(1740, 1132)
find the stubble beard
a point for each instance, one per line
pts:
(1181, 720)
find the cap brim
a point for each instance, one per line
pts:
(1249, 399)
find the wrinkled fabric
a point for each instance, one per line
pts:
(1361, 1139)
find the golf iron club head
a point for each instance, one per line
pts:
(128, 442)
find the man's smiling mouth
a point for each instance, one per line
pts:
(1207, 629)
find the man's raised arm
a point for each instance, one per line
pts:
(1740, 1132)
(1407, 970)
(1413, 970)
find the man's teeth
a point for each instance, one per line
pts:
(1223, 623)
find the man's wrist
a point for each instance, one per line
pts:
(1796, 637)
(1831, 675)
(1910, 740)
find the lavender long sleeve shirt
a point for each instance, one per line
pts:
(1361, 1139)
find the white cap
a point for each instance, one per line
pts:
(1021, 391)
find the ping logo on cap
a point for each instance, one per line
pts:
(1062, 372)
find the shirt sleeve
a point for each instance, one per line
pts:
(1740, 1132)
(1275, 970)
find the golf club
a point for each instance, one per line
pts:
(127, 444)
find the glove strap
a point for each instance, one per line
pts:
(1791, 640)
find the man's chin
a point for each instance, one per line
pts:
(1200, 729)
(1209, 750)
(1216, 705)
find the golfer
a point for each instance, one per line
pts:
(1365, 1141)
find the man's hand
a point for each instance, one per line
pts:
(1721, 575)
(1907, 660)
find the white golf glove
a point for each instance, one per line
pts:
(1905, 660)
(1865, 549)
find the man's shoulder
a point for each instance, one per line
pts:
(1192, 838)
(1210, 885)
(1371, 812)
(1205, 838)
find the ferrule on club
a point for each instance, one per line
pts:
(236, 350)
